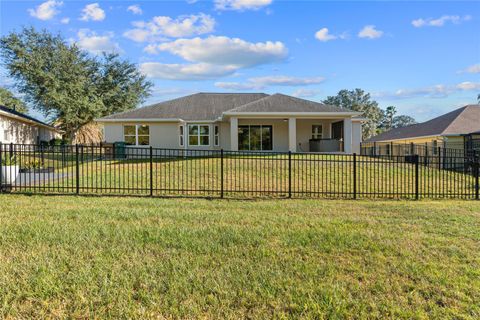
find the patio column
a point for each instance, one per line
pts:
(347, 135)
(234, 134)
(292, 134)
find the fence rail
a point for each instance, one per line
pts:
(151, 171)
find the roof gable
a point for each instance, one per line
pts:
(460, 121)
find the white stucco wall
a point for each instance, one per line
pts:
(356, 136)
(166, 135)
(16, 131)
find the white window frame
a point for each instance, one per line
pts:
(316, 134)
(199, 135)
(181, 137)
(216, 135)
(136, 134)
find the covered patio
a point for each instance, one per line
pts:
(296, 134)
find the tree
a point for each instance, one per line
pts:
(67, 84)
(359, 100)
(7, 99)
(403, 121)
(388, 118)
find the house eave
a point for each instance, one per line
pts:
(331, 115)
(24, 120)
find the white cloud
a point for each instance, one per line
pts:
(260, 83)
(370, 32)
(241, 5)
(96, 44)
(324, 35)
(437, 91)
(472, 69)
(305, 93)
(467, 86)
(195, 71)
(135, 9)
(439, 22)
(162, 26)
(93, 12)
(46, 10)
(222, 50)
(65, 20)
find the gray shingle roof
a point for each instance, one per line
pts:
(461, 121)
(211, 106)
(198, 106)
(283, 103)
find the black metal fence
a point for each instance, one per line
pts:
(151, 171)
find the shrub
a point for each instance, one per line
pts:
(9, 161)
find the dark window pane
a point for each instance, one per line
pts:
(192, 130)
(267, 138)
(204, 129)
(255, 138)
(181, 140)
(216, 130)
(143, 140)
(181, 130)
(217, 142)
(193, 140)
(243, 138)
(130, 140)
(144, 130)
(129, 130)
(204, 140)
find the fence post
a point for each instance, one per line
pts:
(476, 160)
(416, 177)
(1, 171)
(354, 176)
(151, 171)
(289, 174)
(77, 170)
(374, 149)
(221, 173)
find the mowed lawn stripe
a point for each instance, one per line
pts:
(190, 258)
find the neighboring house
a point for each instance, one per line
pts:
(450, 130)
(245, 121)
(16, 127)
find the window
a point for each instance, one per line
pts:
(198, 135)
(255, 137)
(138, 135)
(317, 131)
(182, 136)
(216, 137)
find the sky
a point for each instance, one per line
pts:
(421, 57)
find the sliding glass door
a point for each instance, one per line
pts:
(255, 137)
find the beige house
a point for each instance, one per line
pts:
(16, 127)
(450, 130)
(245, 121)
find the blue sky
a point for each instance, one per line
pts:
(422, 57)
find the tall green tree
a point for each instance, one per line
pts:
(8, 99)
(403, 121)
(389, 115)
(359, 100)
(68, 84)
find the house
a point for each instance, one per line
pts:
(450, 130)
(16, 127)
(238, 121)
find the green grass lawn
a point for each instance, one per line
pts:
(91, 257)
(313, 175)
